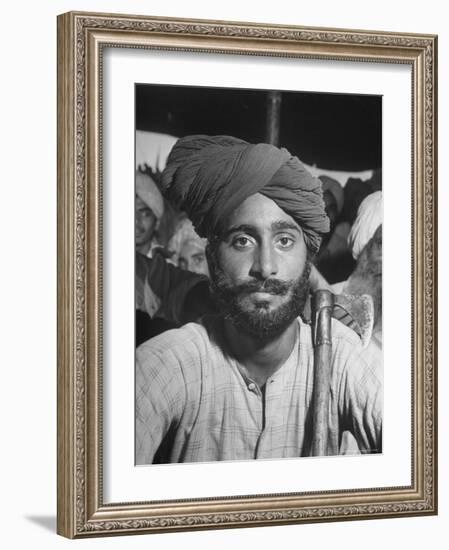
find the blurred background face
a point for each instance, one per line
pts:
(192, 257)
(146, 223)
(259, 269)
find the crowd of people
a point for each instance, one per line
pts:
(231, 239)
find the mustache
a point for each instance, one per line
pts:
(270, 286)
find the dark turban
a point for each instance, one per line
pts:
(210, 176)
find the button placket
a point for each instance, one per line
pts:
(270, 410)
(254, 388)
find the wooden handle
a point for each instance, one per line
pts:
(323, 301)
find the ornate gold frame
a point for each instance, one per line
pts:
(81, 37)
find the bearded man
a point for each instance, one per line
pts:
(239, 385)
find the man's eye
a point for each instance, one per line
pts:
(285, 242)
(241, 242)
(198, 260)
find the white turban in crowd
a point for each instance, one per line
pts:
(369, 217)
(149, 193)
(184, 232)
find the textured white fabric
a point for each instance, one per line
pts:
(195, 403)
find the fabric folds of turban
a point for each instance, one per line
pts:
(210, 176)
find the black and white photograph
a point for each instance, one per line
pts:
(258, 274)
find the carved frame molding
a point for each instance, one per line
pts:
(81, 38)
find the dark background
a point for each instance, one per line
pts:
(333, 131)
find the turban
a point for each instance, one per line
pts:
(209, 177)
(184, 232)
(369, 217)
(149, 193)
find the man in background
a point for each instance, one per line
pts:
(334, 260)
(187, 249)
(149, 209)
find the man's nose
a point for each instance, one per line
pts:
(265, 264)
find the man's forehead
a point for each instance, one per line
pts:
(260, 213)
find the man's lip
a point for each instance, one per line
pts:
(262, 293)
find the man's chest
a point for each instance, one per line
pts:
(234, 419)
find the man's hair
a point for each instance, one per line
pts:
(263, 325)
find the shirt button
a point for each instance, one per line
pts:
(252, 386)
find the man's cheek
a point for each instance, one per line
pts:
(233, 264)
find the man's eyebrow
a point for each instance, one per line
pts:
(244, 228)
(279, 225)
(282, 225)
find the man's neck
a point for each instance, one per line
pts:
(261, 357)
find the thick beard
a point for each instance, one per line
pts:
(260, 322)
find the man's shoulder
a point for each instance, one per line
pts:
(188, 344)
(340, 334)
(175, 341)
(345, 341)
(348, 350)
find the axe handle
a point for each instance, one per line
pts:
(323, 301)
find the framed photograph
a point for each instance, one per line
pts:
(242, 209)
